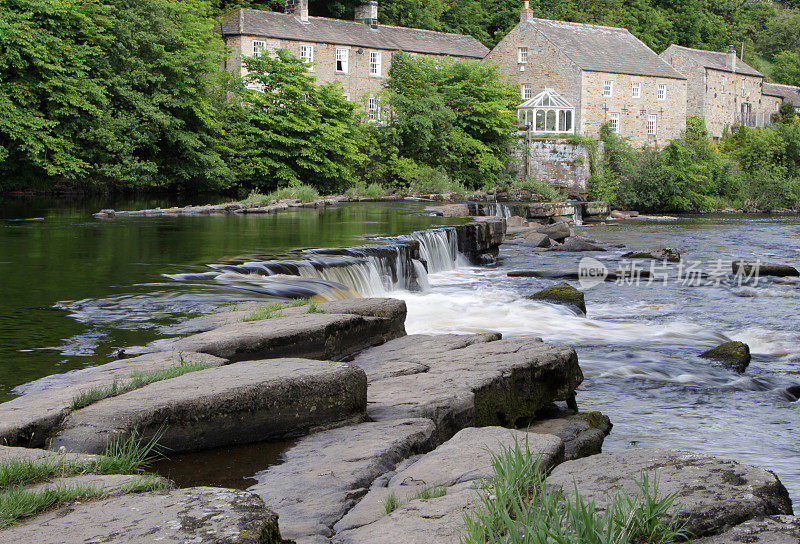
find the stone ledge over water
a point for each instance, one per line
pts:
(236, 404)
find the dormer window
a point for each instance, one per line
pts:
(522, 55)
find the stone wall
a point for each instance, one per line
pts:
(559, 162)
(633, 112)
(696, 84)
(724, 98)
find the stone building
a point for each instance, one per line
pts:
(782, 93)
(574, 77)
(357, 53)
(723, 89)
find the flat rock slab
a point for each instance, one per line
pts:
(465, 458)
(8, 453)
(27, 420)
(583, 433)
(767, 530)
(107, 484)
(714, 494)
(324, 474)
(236, 404)
(388, 308)
(470, 382)
(311, 336)
(200, 515)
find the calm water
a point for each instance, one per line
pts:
(74, 288)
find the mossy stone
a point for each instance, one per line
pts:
(562, 293)
(732, 355)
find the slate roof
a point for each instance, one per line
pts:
(787, 92)
(604, 49)
(272, 24)
(714, 59)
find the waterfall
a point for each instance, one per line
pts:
(401, 263)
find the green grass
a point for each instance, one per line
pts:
(314, 309)
(256, 198)
(136, 381)
(543, 191)
(374, 190)
(517, 506)
(391, 503)
(123, 456)
(304, 193)
(265, 312)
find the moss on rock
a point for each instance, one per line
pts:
(562, 293)
(732, 355)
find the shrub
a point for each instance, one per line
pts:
(374, 190)
(429, 180)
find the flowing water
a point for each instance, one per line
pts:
(74, 288)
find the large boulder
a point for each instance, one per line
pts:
(29, 419)
(235, 404)
(713, 494)
(562, 293)
(766, 530)
(576, 243)
(325, 474)
(757, 268)
(659, 253)
(556, 231)
(732, 355)
(468, 381)
(583, 434)
(201, 515)
(465, 458)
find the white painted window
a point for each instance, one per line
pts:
(743, 90)
(375, 63)
(258, 48)
(608, 87)
(522, 55)
(527, 91)
(636, 89)
(373, 109)
(662, 91)
(307, 53)
(614, 122)
(342, 60)
(723, 83)
(652, 124)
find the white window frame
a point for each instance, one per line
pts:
(608, 88)
(522, 55)
(307, 53)
(527, 91)
(613, 122)
(636, 89)
(375, 63)
(662, 91)
(343, 57)
(652, 124)
(724, 78)
(373, 109)
(744, 93)
(259, 48)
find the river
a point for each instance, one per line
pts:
(75, 288)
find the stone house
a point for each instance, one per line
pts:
(782, 93)
(723, 89)
(357, 53)
(575, 77)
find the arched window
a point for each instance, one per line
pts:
(547, 112)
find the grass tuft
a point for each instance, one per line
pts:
(391, 503)
(266, 312)
(517, 506)
(374, 190)
(429, 492)
(314, 309)
(18, 503)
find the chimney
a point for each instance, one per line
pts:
(367, 13)
(527, 12)
(731, 58)
(298, 8)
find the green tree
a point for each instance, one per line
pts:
(786, 68)
(292, 131)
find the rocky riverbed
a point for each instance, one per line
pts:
(373, 411)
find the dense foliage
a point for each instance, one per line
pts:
(755, 169)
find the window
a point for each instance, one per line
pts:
(614, 122)
(636, 90)
(374, 64)
(662, 91)
(608, 87)
(307, 53)
(527, 91)
(342, 60)
(723, 83)
(373, 110)
(743, 90)
(546, 112)
(522, 55)
(652, 123)
(259, 48)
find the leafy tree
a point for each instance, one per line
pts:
(292, 131)
(786, 68)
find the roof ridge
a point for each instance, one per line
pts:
(621, 28)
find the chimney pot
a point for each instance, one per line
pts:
(527, 13)
(731, 58)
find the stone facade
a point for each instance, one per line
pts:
(723, 90)
(560, 56)
(562, 164)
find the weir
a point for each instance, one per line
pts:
(399, 263)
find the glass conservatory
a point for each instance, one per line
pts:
(547, 112)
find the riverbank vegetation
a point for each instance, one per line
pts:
(518, 506)
(755, 169)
